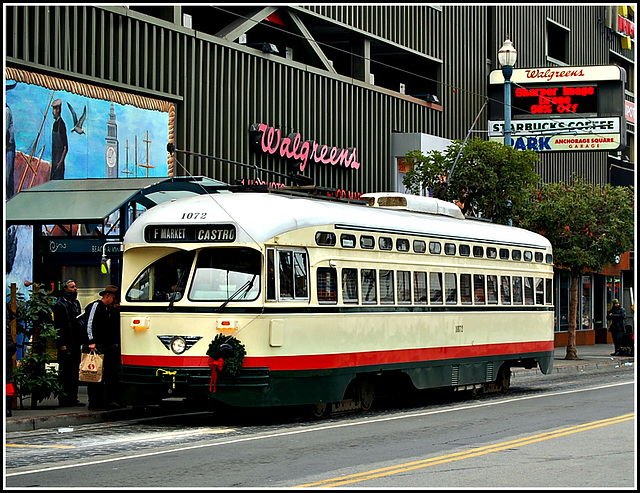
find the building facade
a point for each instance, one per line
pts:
(331, 94)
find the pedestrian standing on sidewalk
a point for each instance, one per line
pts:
(103, 336)
(617, 315)
(70, 337)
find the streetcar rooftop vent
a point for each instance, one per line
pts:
(414, 203)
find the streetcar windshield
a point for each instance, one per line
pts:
(222, 273)
(164, 280)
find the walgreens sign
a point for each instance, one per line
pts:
(270, 141)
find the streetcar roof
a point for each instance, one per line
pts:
(261, 216)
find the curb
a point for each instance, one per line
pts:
(520, 373)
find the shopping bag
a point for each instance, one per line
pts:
(91, 367)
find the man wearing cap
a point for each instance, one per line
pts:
(617, 315)
(59, 144)
(103, 336)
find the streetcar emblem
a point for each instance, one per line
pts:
(189, 341)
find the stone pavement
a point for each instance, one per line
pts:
(49, 415)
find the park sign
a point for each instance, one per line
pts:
(561, 108)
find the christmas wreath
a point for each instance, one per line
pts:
(226, 354)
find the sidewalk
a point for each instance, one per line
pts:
(49, 415)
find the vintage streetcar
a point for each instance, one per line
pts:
(278, 299)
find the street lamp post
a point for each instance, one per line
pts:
(507, 57)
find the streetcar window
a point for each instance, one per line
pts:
(386, 286)
(385, 243)
(492, 289)
(539, 291)
(367, 242)
(517, 290)
(465, 250)
(450, 248)
(327, 282)
(347, 240)
(450, 288)
(419, 287)
(419, 246)
(516, 254)
(271, 275)
(528, 291)
(549, 258)
(292, 274)
(478, 251)
(368, 281)
(505, 290)
(478, 289)
(163, 280)
(528, 255)
(435, 247)
(402, 245)
(325, 238)
(492, 252)
(404, 286)
(350, 285)
(504, 254)
(465, 288)
(539, 256)
(549, 291)
(223, 273)
(435, 287)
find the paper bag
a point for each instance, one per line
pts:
(91, 367)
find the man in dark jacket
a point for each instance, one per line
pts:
(617, 316)
(70, 337)
(103, 336)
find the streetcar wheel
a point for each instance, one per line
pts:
(504, 379)
(366, 394)
(319, 410)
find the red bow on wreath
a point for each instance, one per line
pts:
(215, 365)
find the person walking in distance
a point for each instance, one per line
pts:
(617, 315)
(70, 337)
(103, 336)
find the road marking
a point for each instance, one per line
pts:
(467, 454)
(234, 441)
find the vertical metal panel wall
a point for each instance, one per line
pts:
(220, 88)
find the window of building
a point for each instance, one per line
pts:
(327, 285)
(386, 287)
(368, 282)
(350, 285)
(557, 41)
(404, 286)
(505, 290)
(465, 289)
(419, 287)
(435, 287)
(478, 289)
(450, 288)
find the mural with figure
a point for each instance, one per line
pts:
(58, 129)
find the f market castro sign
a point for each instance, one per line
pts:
(270, 140)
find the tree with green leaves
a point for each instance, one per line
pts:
(588, 226)
(489, 179)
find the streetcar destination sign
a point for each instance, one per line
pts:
(181, 233)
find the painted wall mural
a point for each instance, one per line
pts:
(60, 129)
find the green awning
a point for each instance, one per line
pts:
(94, 199)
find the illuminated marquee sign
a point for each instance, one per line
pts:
(271, 141)
(561, 109)
(189, 233)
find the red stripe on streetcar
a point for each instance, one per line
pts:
(342, 360)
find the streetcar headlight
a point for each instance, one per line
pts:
(178, 345)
